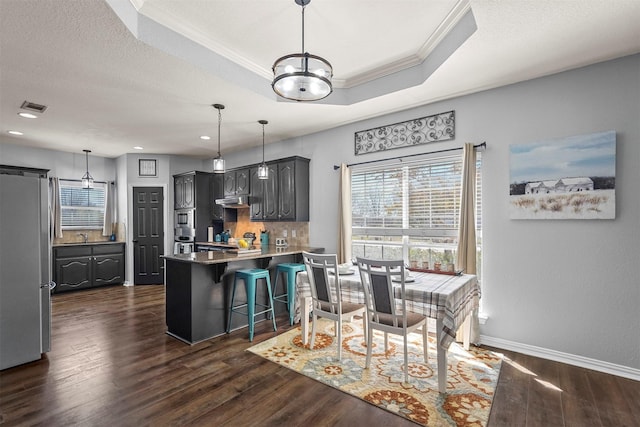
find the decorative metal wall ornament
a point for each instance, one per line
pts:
(439, 127)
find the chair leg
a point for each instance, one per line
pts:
(339, 325)
(406, 359)
(314, 320)
(251, 305)
(369, 346)
(269, 291)
(364, 327)
(233, 296)
(291, 295)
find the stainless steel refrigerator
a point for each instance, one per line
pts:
(25, 267)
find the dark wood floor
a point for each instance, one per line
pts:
(112, 364)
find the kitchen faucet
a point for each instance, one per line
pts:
(85, 236)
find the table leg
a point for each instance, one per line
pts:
(442, 359)
(466, 332)
(305, 310)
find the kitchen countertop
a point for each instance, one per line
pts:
(105, 242)
(219, 257)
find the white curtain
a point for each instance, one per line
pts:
(467, 231)
(54, 208)
(107, 225)
(344, 212)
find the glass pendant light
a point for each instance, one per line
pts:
(263, 170)
(87, 179)
(218, 162)
(302, 76)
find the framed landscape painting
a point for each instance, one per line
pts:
(569, 178)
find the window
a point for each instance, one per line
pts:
(411, 211)
(81, 208)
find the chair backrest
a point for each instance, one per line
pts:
(324, 292)
(377, 278)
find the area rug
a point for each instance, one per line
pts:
(471, 379)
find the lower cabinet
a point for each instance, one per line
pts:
(87, 266)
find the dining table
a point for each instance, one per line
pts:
(450, 299)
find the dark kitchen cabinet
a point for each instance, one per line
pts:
(237, 182)
(285, 195)
(87, 266)
(217, 192)
(184, 194)
(197, 190)
(264, 195)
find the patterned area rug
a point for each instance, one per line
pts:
(472, 375)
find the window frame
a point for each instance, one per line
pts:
(433, 243)
(76, 186)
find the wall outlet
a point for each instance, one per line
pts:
(293, 233)
(284, 233)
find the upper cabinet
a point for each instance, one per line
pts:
(264, 195)
(217, 192)
(236, 182)
(184, 191)
(284, 196)
(293, 190)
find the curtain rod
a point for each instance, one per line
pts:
(475, 147)
(79, 180)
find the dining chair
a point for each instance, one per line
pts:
(385, 312)
(326, 295)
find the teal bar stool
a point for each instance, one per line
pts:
(250, 277)
(288, 298)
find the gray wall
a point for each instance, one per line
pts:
(583, 307)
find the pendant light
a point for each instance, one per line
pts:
(87, 179)
(263, 170)
(218, 162)
(302, 76)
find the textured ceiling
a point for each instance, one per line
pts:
(117, 74)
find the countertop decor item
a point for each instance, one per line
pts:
(302, 76)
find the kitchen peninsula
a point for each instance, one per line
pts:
(198, 288)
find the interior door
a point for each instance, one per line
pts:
(148, 235)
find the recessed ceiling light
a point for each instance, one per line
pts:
(28, 115)
(205, 137)
(137, 147)
(15, 132)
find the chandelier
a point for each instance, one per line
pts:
(302, 76)
(218, 162)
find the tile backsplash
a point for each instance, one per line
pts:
(275, 229)
(75, 236)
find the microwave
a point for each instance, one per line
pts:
(183, 218)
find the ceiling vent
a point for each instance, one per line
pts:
(32, 106)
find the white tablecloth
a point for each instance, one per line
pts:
(447, 298)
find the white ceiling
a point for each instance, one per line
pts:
(117, 73)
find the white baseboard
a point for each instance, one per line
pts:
(571, 359)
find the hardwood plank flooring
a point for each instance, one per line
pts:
(113, 364)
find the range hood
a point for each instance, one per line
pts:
(234, 202)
